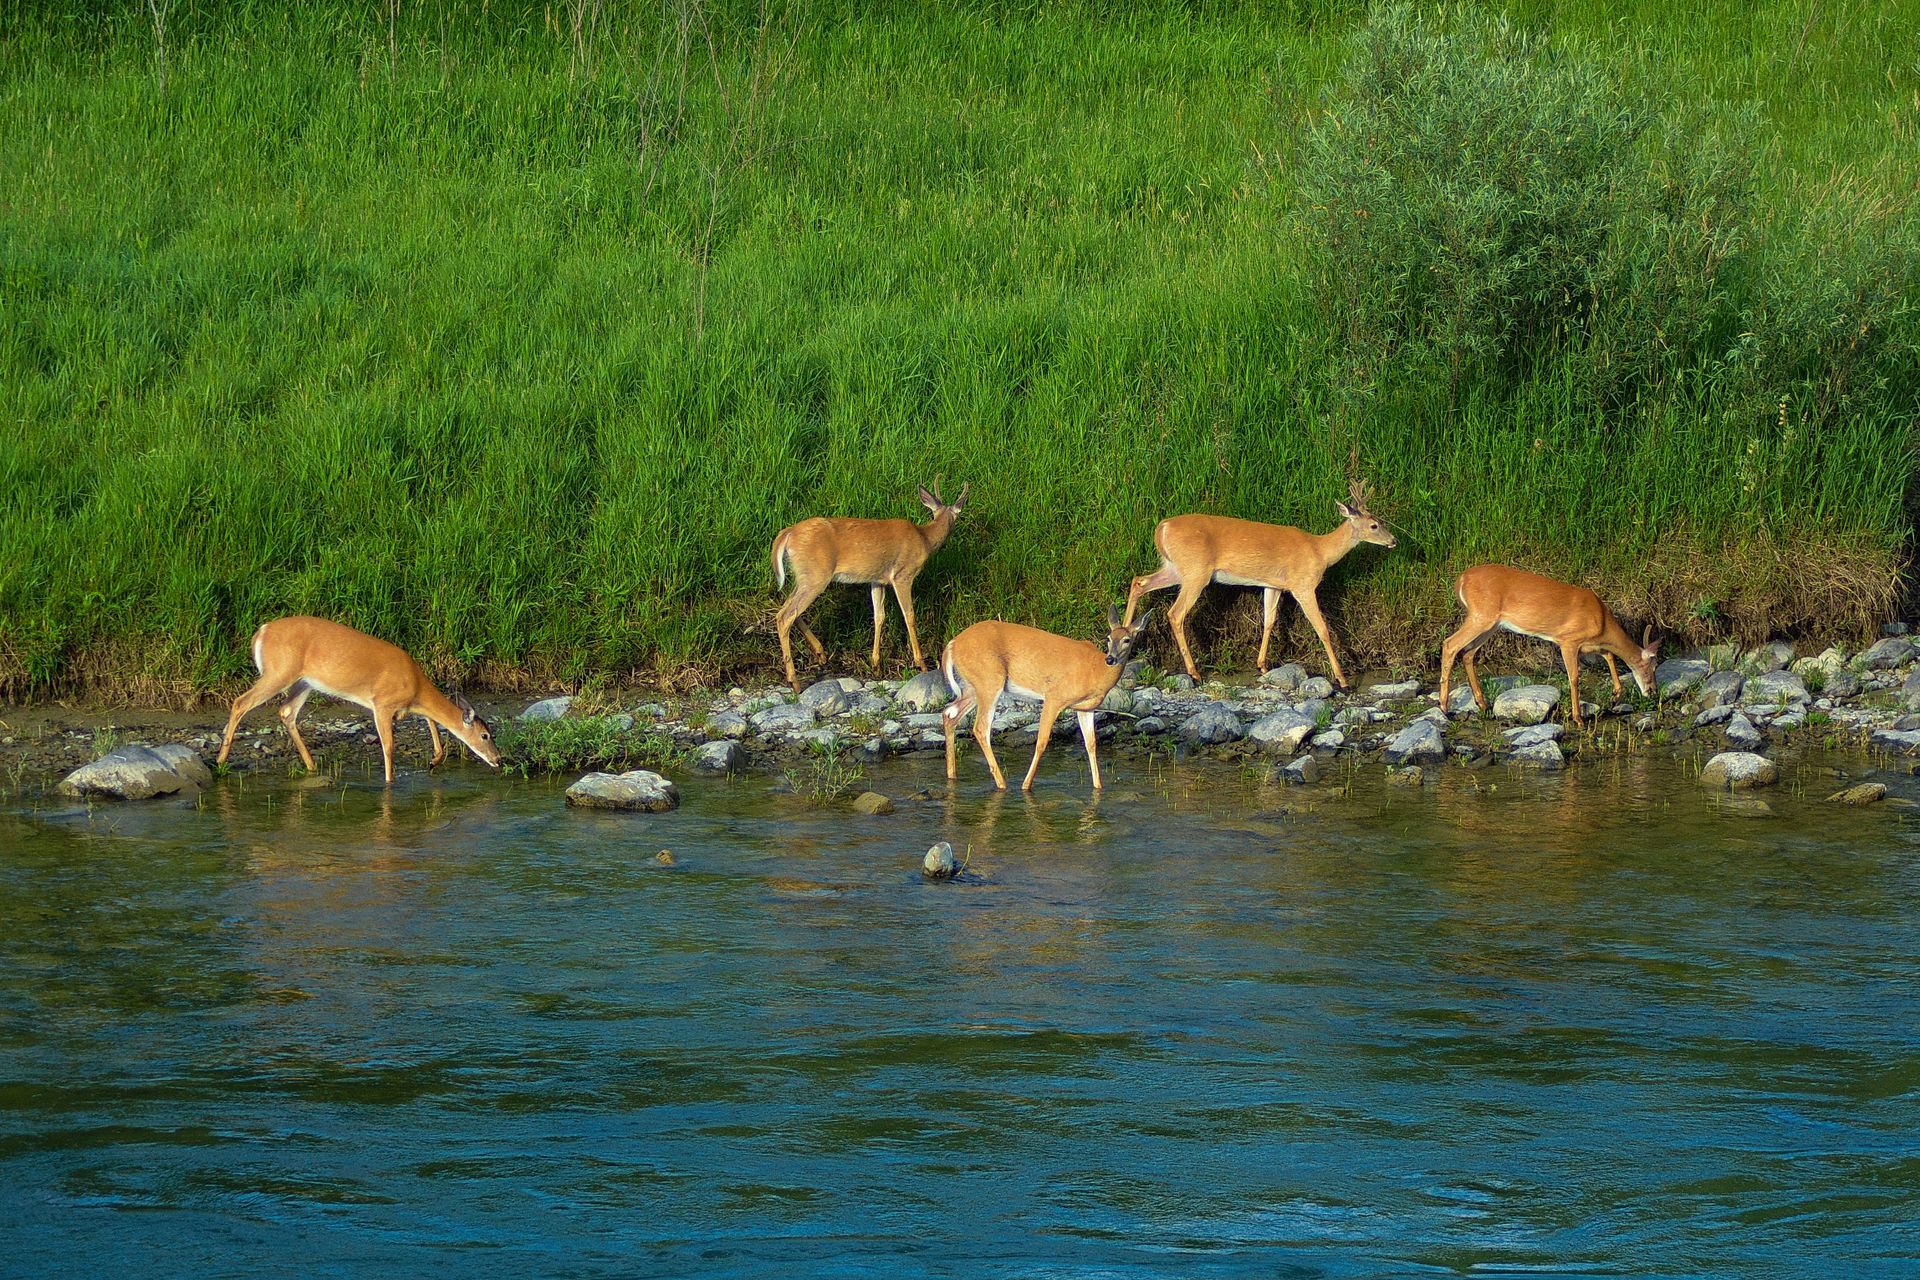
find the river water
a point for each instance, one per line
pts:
(1591, 1024)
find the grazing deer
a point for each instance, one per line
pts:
(1500, 598)
(1197, 549)
(876, 553)
(992, 658)
(304, 656)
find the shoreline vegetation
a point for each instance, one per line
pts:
(514, 340)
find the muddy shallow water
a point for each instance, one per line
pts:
(1587, 1024)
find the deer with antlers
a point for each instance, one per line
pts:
(1199, 549)
(1498, 597)
(991, 659)
(875, 553)
(303, 656)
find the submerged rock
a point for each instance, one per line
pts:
(1283, 731)
(546, 709)
(1863, 793)
(1211, 725)
(722, 756)
(1411, 776)
(1419, 743)
(640, 791)
(872, 803)
(138, 772)
(1301, 772)
(938, 864)
(1738, 770)
(1530, 703)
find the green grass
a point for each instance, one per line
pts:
(518, 349)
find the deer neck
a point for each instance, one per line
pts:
(443, 711)
(935, 531)
(1333, 547)
(1617, 642)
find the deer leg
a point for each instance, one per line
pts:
(1177, 619)
(263, 688)
(804, 594)
(1269, 608)
(1463, 641)
(950, 721)
(1093, 754)
(439, 751)
(879, 592)
(1165, 576)
(1570, 654)
(290, 717)
(903, 592)
(983, 734)
(383, 725)
(1049, 712)
(1614, 671)
(1310, 607)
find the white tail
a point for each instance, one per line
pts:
(876, 553)
(992, 658)
(304, 656)
(1500, 598)
(1198, 549)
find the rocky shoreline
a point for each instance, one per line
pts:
(1761, 703)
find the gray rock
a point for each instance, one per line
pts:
(721, 756)
(1301, 772)
(1393, 692)
(927, 691)
(1787, 721)
(1314, 708)
(825, 698)
(1894, 628)
(1545, 756)
(136, 772)
(1884, 655)
(1411, 776)
(927, 720)
(1901, 742)
(1741, 735)
(546, 709)
(1677, 675)
(1772, 656)
(1864, 793)
(1287, 677)
(1211, 725)
(1908, 723)
(825, 736)
(1532, 735)
(1419, 743)
(1150, 725)
(639, 791)
(620, 721)
(1460, 701)
(1714, 715)
(1316, 687)
(785, 717)
(876, 749)
(1841, 684)
(1721, 689)
(1283, 731)
(1773, 689)
(1331, 740)
(1910, 692)
(1181, 682)
(1738, 770)
(938, 864)
(1529, 703)
(727, 724)
(1361, 715)
(872, 803)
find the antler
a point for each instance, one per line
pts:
(962, 499)
(1358, 488)
(936, 488)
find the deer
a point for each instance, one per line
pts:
(302, 656)
(1498, 597)
(989, 659)
(1199, 549)
(876, 553)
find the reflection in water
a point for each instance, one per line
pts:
(1580, 1023)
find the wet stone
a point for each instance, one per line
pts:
(1886, 654)
(1418, 743)
(1738, 770)
(546, 709)
(938, 864)
(1903, 742)
(1529, 703)
(1532, 735)
(1316, 687)
(872, 803)
(1460, 701)
(825, 698)
(1301, 772)
(722, 756)
(138, 772)
(1545, 756)
(639, 791)
(1741, 735)
(1862, 794)
(1396, 691)
(1677, 675)
(1773, 689)
(1287, 677)
(927, 691)
(1150, 725)
(1283, 731)
(1212, 725)
(784, 717)
(1714, 715)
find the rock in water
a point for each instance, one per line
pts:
(938, 864)
(1532, 735)
(1864, 793)
(665, 858)
(1741, 735)
(1411, 776)
(1394, 692)
(1545, 756)
(1529, 703)
(1419, 743)
(139, 773)
(546, 709)
(1282, 732)
(872, 803)
(723, 756)
(1301, 771)
(640, 791)
(1738, 770)
(1460, 701)
(1904, 742)
(1211, 725)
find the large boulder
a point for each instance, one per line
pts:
(546, 709)
(1544, 755)
(1283, 731)
(1532, 735)
(1773, 689)
(138, 772)
(1721, 689)
(1738, 770)
(784, 717)
(1288, 677)
(1211, 725)
(640, 791)
(720, 756)
(1528, 703)
(927, 691)
(1419, 743)
(1884, 655)
(825, 697)
(1677, 675)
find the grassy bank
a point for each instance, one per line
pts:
(515, 339)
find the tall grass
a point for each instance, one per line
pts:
(514, 338)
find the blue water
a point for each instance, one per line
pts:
(1587, 1025)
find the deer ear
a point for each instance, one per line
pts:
(1141, 625)
(927, 500)
(467, 713)
(1113, 616)
(1346, 510)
